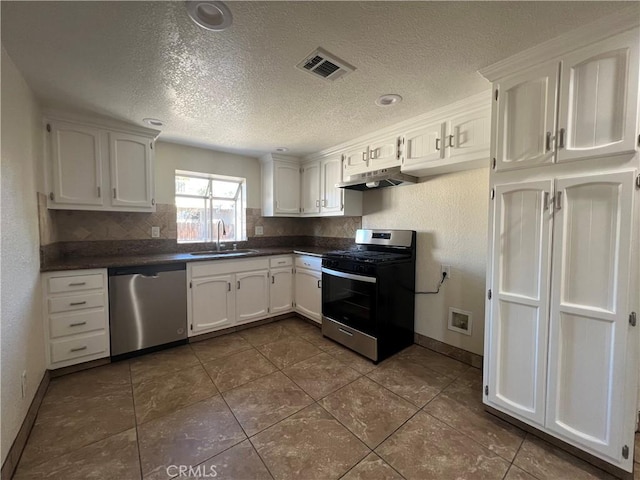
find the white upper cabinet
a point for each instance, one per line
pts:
(76, 165)
(90, 166)
(131, 170)
(517, 356)
(310, 183)
(423, 145)
(525, 121)
(599, 99)
(468, 135)
(280, 186)
(589, 329)
(384, 152)
(356, 160)
(331, 174)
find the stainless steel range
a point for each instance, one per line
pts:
(368, 293)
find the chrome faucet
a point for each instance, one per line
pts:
(224, 232)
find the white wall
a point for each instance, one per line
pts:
(449, 213)
(172, 156)
(21, 329)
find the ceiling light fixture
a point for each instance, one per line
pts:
(153, 122)
(282, 149)
(212, 15)
(388, 100)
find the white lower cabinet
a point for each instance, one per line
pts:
(76, 312)
(559, 346)
(227, 293)
(308, 287)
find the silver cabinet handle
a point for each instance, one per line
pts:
(273, 279)
(558, 201)
(79, 349)
(548, 142)
(77, 284)
(345, 332)
(546, 201)
(238, 284)
(561, 138)
(451, 141)
(437, 144)
(317, 203)
(114, 193)
(324, 202)
(74, 304)
(99, 192)
(229, 286)
(364, 156)
(319, 283)
(77, 324)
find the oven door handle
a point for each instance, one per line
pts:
(349, 276)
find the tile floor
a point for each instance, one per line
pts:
(280, 401)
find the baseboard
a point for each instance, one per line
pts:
(15, 452)
(59, 372)
(239, 328)
(587, 457)
(459, 354)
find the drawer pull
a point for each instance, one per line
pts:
(77, 324)
(345, 332)
(75, 304)
(79, 349)
(77, 284)
(282, 262)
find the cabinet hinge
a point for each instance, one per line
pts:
(52, 197)
(489, 294)
(492, 194)
(625, 451)
(638, 182)
(496, 94)
(486, 389)
(493, 163)
(48, 127)
(633, 320)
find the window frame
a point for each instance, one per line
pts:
(208, 198)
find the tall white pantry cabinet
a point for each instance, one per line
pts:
(561, 340)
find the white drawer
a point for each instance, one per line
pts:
(305, 261)
(77, 322)
(76, 302)
(281, 261)
(75, 283)
(78, 347)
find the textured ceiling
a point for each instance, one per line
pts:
(238, 90)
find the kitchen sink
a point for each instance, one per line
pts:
(226, 253)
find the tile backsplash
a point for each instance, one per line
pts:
(83, 226)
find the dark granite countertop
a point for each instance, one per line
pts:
(79, 262)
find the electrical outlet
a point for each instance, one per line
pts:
(445, 269)
(259, 230)
(155, 232)
(23, 384)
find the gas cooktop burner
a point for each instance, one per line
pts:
(371, 256)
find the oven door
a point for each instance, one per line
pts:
(350, 299)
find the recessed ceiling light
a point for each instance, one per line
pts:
(211, 15)
(388, 100)
(153, 122)
(282, 149)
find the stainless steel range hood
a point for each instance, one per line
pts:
(385, 177)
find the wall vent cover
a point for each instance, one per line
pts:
(322, 64)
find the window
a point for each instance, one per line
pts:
(206, 203)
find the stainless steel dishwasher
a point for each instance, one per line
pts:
(147, 307)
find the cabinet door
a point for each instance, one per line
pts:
(330, 175)
(310, 180)
(517, 347)
(469, 135)
(281, 290)
(383, 153)
(590, 312)
(131, 170)
(356, 160)
(76, 158)
(309, 293)
(211, 304)
(599, 99)
(252, 296)
(423, 145)
(286, 186)
(526, 119)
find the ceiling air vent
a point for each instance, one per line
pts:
(322, 64)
